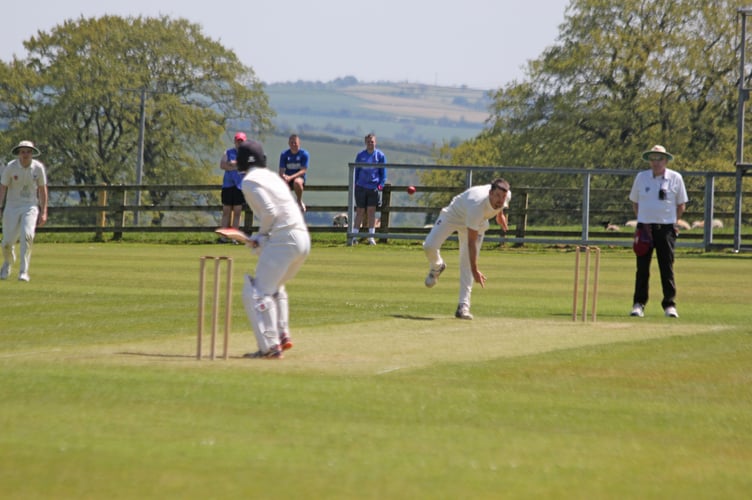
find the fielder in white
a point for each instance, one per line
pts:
(282, 244)
(467, 215)
(23, 204)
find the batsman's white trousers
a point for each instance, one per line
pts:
(265, 296)
(19, 223)
(439, 233)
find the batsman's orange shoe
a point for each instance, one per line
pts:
(285, 342)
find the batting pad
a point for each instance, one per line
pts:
(262, 314)
(283, 311)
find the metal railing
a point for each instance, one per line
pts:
(110, 209)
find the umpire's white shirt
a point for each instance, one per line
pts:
(651, 209)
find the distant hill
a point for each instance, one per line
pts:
(406, 113)
(411, 121)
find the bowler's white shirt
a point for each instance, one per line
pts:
(472, 208)
(650, 208)
(272, 202)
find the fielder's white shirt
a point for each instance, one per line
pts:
(645, 192)
(472, 208)
(272, 202)
(23, 183)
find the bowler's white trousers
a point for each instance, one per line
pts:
(19, 223)
(439, 233)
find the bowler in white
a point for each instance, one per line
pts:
(467, 215)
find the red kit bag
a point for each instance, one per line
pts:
(643, 240)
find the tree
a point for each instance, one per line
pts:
(624, 76)
(78, 92)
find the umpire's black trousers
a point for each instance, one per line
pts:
(664, 241)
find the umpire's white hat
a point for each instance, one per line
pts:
(657, 149)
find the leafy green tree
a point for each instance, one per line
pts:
(78, 93)
(624, 76)
(621, 77)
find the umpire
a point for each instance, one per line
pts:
(659, 198)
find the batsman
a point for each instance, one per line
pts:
(282, 244)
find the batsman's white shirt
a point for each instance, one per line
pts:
(281, 228)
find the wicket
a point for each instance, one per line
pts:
(215, 304)
(586, 281)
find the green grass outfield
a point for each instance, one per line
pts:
(385, 394)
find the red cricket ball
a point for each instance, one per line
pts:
(411, 190)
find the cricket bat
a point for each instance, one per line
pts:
(233, 234)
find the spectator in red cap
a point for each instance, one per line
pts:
(232, 195)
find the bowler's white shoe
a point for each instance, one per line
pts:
(371, 241)
(671, 312)
(23, 277)
(5, 271)
(463, 312)
(433, 275)
(638, 310)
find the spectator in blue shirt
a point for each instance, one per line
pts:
(293, 165)
(369, 182)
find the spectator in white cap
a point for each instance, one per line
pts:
(659, 198)
(23, 205)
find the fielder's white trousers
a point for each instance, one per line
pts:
(439, 233)
(264, 296)
(19, 223)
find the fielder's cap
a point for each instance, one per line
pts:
(657, 149)
(26, 144)
(251, 154)
(240, 136)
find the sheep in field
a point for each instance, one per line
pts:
(717, 224)
(340, 220)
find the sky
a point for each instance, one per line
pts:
(483, 44)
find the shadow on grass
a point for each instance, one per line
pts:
(176, 356)
(411, 317)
